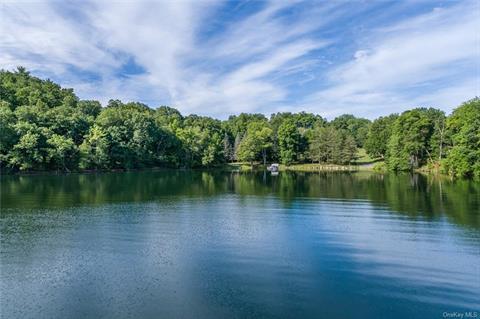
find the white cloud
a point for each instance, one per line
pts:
(35, 35)
(161, 36)
(438, 52)
(244, 88)
(248, 64)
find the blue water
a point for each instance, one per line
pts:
(222, 245)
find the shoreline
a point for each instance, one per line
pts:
(231, 167)
(245, 168)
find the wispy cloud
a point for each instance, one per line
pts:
(431, 60)
(216, 58)
(37, 36)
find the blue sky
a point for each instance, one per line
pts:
(367, 58)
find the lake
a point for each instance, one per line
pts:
(210, 244)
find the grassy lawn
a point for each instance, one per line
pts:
(363, 163)
(310, 167)
(364, 158)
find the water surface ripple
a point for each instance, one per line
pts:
(228, 245)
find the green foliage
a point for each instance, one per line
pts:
(29, 151)
(202, 141)
(329, 145)
(348, 149)
(129, 135)
(439, 138)
(256, 143)
(463, 126)
(412, 142)
(289, 141)
(304, 122)
(62, 152)
(90, 108)
(95, 150)
(67, 121)
(363, 158)
(228, 151)
(248, 150)
(237, 124)
(46, 127)
(19, 88)
(300, 120)
(8, 134)
(356, 127)
(380, 167)
(168, 118)
(42, 123)
(236, 146)
(378, 136)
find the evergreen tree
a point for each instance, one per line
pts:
(46, 127)
(326, 145)
(236, 146)
(356, 127)
(227, 148)
(348, 149)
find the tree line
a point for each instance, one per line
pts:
(46, 127)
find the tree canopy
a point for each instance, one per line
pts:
(413, 139)
(46, 127)
(333, 146)
(356, 127)
(256, 143)
(463, 127)
(378, 135)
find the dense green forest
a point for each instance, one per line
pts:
(46, 127)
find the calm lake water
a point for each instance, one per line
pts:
(175, 244)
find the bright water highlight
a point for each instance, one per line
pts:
(193, 244)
